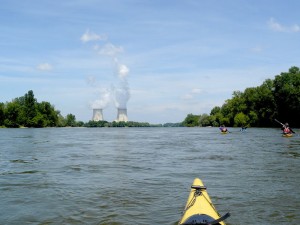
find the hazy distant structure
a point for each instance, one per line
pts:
(119, 93)
(122, 115)
(97, 114)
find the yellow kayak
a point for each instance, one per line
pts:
(199, 208)
(287, 135)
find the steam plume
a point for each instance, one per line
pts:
(103, 101)
(119, 92)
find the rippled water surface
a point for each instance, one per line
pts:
(143, 175)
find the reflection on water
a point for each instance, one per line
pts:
(142, 175)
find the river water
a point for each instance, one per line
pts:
(114, 176)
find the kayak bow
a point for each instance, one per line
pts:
(199, 208)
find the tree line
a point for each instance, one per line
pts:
(25, 111)
(277, 98)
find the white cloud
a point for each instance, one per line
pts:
(44, 67)
(90, 36)
(110, 50)
(275, 26)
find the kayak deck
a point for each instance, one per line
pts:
(199, 208)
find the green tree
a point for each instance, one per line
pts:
(220, 119)
(39, 121)
(253, 118)
(287, 95)
(232, 107)
(241, 120)
(259, 106)
(191, 120)
(101, 123)
(26, 111)
(261, 101)
(79, 124)
(2, 116)
(226, 114)
(212, 121)
(30, 108)
(49, 114)
(204, 120)
(215, 110)
(11, 114)
(70, 120)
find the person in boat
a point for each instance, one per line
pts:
(286, 129)
(223, 128)
(243, 129)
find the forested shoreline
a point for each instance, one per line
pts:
(259, 106)
(26, 111)
(277, 98)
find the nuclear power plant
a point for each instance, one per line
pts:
(121, 115)
(97, 114)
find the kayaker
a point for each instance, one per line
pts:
(286, 129)
(243, 129)
(223, 128)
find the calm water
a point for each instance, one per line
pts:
(143, 175)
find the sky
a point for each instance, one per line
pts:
(160, 59)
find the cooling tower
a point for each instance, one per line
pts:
(97, 115)
(122, 115)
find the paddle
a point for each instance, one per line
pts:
(279, 122)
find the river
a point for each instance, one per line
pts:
(114, 176)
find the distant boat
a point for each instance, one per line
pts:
(243, 129)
